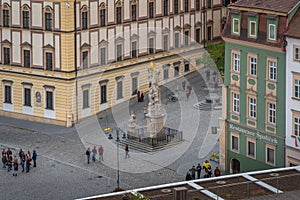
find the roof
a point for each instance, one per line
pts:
(273, 5)
(270, 184)
(294, 26)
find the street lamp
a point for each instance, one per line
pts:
(118, 165)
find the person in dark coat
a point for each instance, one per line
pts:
(20, 154)
(127, 151)
(94, 153)
(139, 96)
(16, 166)
(34, 155)
(142, 97)
(23, 160)
(188, 176)
(8, 153)
(217, 172)
(27, 163)
(88, 155)
(4, 158)
(193, 171)
(9, 163)
(198, 168)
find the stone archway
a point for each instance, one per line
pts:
(234, 166)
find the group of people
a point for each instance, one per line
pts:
(140, 96)
(191, 174)
(94, 151)
(11, 162)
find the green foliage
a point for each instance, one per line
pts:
(207, 60)
(139, 196)
(217, 54)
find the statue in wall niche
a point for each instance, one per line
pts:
(38, 98)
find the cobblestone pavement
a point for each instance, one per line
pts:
(62, 171)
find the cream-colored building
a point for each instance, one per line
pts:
(55, 73)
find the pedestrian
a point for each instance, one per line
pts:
(188, 176)
(100, 151)
(29, 154)
(139, 96)
(187, 92)
(207, 72)
(209, 171)
(9, 163)
(16, 166)
(27, 163)
(88, 155)
(206, 175)
(127, 151)
(94, 153)
(142, 97)
(4, 159)
(193, 172)
(214, 76)
(34, 155)
(145, 110)
(8, 153)
(206, 165)
(217, 172)
(23, 160)
(183, 85)
(20, 154)
(198, 170)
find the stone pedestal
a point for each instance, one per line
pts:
(155, 125)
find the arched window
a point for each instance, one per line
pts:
(6, 15)
(84, 18)
(48, 18)
(25, 16)
(102, 11)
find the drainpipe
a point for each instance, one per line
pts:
(75, 61)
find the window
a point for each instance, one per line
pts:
(102, 18)
(7, 94)
(151, 45)
(236, 103)
(166, 73)
(270, 155)
(198, 35)
(102, 56)
(272, 70)
(151, 9)
(252, 31)
(186, 5)
(186, 67)
(25, 19)
(297, 126)
(26, 58)
(251, 148)
(234, 142)
(197, 5)
(6, 56)
(6, 18)
(85, 59)
(236, 62)
(252, 66)
(119, 15)
(134, 85)
(271, 113)
(103, 94)
(84, 20)
(272, 32)
(236, 24)
(177, 40)
(208, 3)
(133, 12)
(176, 7)
(85, 99)
(252, 107)
(49, 63)
(176, 71)
(48, 21)
(297, 88)
(119, 52)
(49, 100)
(166, 42)
(133, 49)
(120, 90)
(27, 97)
(297, 53)
(166, 7)
(209, 32)
(186, 38)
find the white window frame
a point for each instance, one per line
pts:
(252, 140)
(269, 36)
(272, 113)
(236, 62)
(296, 126)
(166, 73)
(231, 142)
(252, 107)
(272, 70)
(296, 88)
(296, 53)
(238, 26)
(250, 28)
(253, 64)
(236, 103)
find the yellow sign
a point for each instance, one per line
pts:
(152, 64)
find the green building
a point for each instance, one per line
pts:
(253, 120)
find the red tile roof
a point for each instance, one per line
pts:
(294, 26)
(273, 5)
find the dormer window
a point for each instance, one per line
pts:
(252, 29)
(236, 26)
(272, 32)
